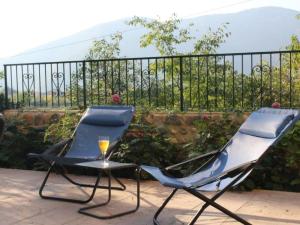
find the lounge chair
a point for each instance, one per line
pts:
(82, 147)
(230, 165)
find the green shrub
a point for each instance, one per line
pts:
(146, 144)
(18, 140)
(279, 168)
(213, 133)
(64, 128)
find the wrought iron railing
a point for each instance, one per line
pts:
(215, 82)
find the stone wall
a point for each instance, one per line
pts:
(35, 117)
(179, 126)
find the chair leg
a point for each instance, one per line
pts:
(214, 198)
(121, 188)
(85, 209)
(155, 221)
(207, 204)
(193, 221)
(211, 202)
(67, 199)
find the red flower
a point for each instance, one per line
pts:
(116, 99)
(205, 117)
(276, 105)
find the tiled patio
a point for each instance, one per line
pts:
(20, 204)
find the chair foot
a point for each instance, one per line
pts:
(122, 186)
(208, 202)
(67, 199)
(155, 221)
(211, 202)
(85, 209)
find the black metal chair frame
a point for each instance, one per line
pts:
(60, 169)
(84, 210)
(237, 172)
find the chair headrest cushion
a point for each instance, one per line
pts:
(107, 117)
(266, 124)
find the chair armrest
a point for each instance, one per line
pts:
(56, 149)
(243, 168)
(199, 157)
(192, 159)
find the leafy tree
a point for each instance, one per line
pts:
(209, 82)
(291, 69)
(167, 36)
(104, 49)
(99, 75)
(294, 44)
(1, 76)
(211, 41)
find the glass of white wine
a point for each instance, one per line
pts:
(103, 144)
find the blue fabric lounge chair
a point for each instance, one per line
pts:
(109, 121)
(231, 164)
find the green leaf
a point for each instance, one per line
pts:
(295, 182)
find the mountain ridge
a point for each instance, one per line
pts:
(258, 29)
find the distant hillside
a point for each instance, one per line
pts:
(261, 29)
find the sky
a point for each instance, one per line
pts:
(26, 24)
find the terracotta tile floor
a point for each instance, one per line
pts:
(20, 204)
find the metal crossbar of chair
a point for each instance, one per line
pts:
(208, 201)
(60, 169)
(111, 121)
(230, 165)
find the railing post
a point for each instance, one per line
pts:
(84, 84)
(181, 84)
(5, 87)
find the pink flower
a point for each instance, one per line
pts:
(276, 105)
(116, 99)
(205, 117)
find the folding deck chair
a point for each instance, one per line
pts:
(82, 147)
(230, 165)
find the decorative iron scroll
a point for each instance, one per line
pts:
(261, 68)
(148, 77)
(58, 79)
(28, 82)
